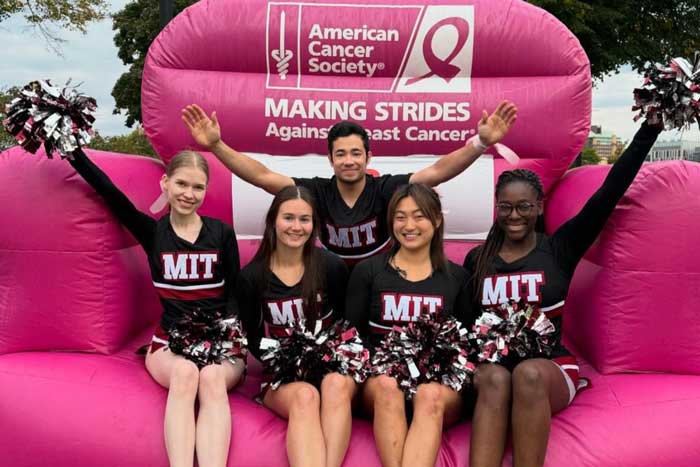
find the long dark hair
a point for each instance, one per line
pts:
(313, 280)
(495, 237)
(428, 202)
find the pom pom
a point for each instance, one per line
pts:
(512, 332)
(205, 337)
(670, 94)
(310, 355)
(432, 349)
(59, 118)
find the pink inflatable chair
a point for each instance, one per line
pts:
(75, 293)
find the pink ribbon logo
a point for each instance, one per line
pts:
(443, 68)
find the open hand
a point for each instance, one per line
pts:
(204, 129)
(492, 128)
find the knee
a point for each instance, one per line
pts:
(306, 398)
(337, 387)
(528, 381)
(212, 383)
(493, 383)
(184, 379)
(388, 393)
(429, 400)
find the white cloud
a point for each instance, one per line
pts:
(612, 107)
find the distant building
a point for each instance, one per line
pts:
(674, 151)
(605, 144)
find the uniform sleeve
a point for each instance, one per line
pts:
(574, 237)
(232, 267)
(470, 261)
(250, 313)
(463, 309)
(357, 302)
(141, 226)
(337, 281)
(389, 184)
(314, 185)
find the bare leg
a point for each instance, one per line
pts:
(300, 404)
(490, 422)
(213, 433)
(337, 392)
(539, 389)
(383, 399)
(434, 405)
(181, 377)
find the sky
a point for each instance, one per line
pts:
(92, 59)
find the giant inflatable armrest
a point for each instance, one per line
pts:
(72, 278)
(633, 302)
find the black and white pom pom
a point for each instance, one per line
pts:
(432, 349)
(512, 332)
(205, 337)
(309, 355)
(670, 94)
(59, 118)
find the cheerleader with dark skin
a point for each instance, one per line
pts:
(516, 262)
(289, 268)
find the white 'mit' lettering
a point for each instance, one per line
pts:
(188, 266)
(286, 311)
(408, 307)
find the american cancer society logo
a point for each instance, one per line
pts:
(370, 48)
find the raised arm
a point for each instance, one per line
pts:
(492, 129)
(575, 236)
(139, 224)
(207, 133)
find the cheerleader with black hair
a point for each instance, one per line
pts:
(393, 290)
(518, 263)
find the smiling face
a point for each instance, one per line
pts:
(349, 159)
(411, 226)
(517, 208)
(185, 189)
(294, 223)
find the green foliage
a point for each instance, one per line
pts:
(136, 26)
(633, 32)
(42, 15)
(132, 143)
(589, 156)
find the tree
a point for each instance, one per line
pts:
(64, 14)
(613, 34)
(6, 95)
(589, 156)
(137, 25)
(132, 143)
(632, 32)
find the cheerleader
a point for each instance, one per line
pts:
(194, 262)
(393, 289)
(516, 262)
(291, 279)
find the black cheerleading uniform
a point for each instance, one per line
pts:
(361, 231)
(268, 307)
(542, 276)
(380, 298)
(187, 276)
